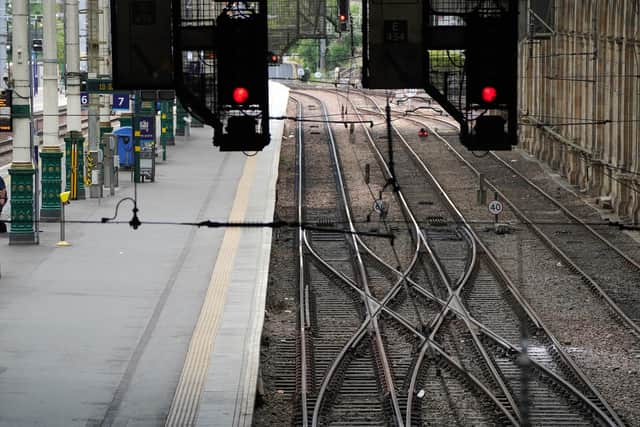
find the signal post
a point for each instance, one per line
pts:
(465, 57)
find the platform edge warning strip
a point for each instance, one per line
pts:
(184, 407)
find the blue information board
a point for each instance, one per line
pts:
(146, 126)
(120, 101)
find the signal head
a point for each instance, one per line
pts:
(240, 95)
(489, 94)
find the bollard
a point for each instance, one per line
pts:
(64, 199)
(481, 193)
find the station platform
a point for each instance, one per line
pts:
(148, 327)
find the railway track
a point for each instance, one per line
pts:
(428, 334)
(558, 369)
(610, 268)
(344, 366)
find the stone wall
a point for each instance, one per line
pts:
(580, 103)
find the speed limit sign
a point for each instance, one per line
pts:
(495, 207)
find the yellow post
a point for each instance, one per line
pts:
(64, 199)
(74, 171)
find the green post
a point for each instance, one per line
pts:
(67, 162)
(181, 114)
(22, 230)
(105, 128)
(171, 138)
(162, 132)
(136, 149)
(51, 157)
(74, 138)
(142, 108)
(166, 126)
(81, 176)
(125, 119)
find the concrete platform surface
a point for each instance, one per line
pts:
(98, 333)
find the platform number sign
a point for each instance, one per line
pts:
(396, 31)
(495, 207)
(120, 101)
(84, 99)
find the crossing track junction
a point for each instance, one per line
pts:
(427, 327)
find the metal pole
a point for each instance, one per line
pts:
(94, 99)
(3, 38)
(62, 223)
(33, 147)
(495, 197)
(323, 56)
(482, 192)
(104, 68)
(392, 180)
(64, 198)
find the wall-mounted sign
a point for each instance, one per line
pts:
(5, 111)
(120, 101)
(146, 126)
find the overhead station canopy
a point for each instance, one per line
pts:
(291, 21)
(141, 41)
(393, 51)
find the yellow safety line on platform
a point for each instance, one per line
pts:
(184, 408)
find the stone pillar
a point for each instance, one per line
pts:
(22, 230)
(51, 153)
(22, 170)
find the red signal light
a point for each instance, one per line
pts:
(274, 59)
(343, 18)
(489, 94)
(240, 95)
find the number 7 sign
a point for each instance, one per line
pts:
(120, 101)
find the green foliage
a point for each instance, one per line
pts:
(307, 51)
(339, 50)
(445, 59)
(339, 53)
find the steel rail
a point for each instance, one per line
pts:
(454, 296)
(503, 275)
(567, 211)
(381, 306)
(388, 380)
(302, 286)
(547, 240)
